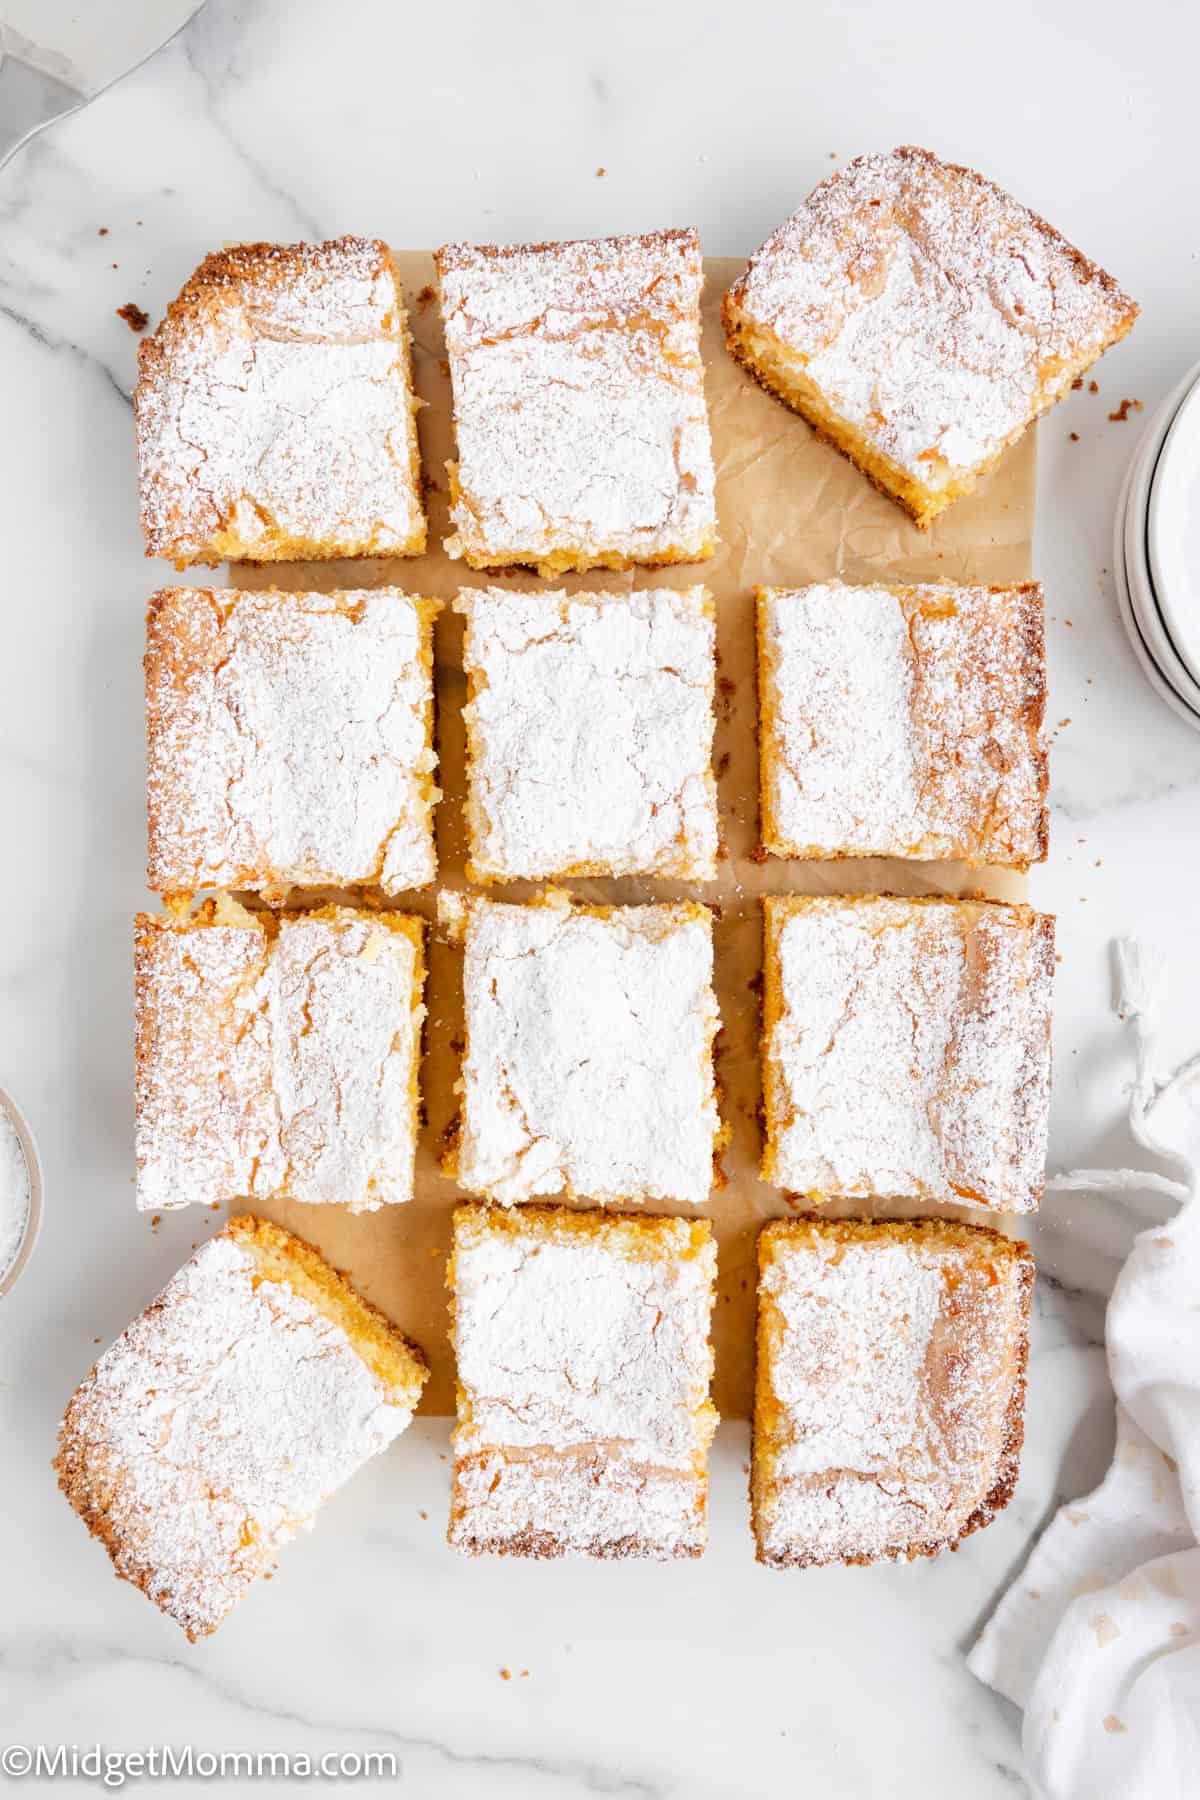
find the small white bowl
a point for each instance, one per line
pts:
(33, 1219)
(1173, 532)
(1137, 642)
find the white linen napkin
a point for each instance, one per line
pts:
(1098, 1639)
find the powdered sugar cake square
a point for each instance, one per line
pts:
(588, 1065)
(276, 419)
(890, 1387)
(920, 318)
(903, 721)
(579, 409)
(215, 1427)
(277, 1058)
(289, 740)
(906, 1049)
(590, 726)
(584, 1366)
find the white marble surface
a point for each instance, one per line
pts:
(490, 121)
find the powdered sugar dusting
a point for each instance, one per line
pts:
(590, 732)
(579, 402)
(289, 740)
(931, 310)
(212, 1431)
(890, 1369)
(277, 1065)
(275, 409)
(911, 1055)
(904, 722)
(589, 1057)
(584, 1367)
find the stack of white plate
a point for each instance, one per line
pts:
(1156, 550)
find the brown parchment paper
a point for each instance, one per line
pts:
(790, 510)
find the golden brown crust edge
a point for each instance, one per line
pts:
(1009, 1459)
(542, 1546)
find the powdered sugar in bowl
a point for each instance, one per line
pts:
(20, 1193)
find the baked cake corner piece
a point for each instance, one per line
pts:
(889, 1387)
(903, 721)
(589, 734)
(584, 1366)
(289, 740)
(580, 418)
(920, 318)
(307, 1379)
(906, 1049)
(277, 1059)
(589, 1052)
(276, 417)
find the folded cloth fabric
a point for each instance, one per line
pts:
(1098, 1639)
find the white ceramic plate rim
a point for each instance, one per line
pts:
(1174, 589)
(1137, 643)
(1143, 596)
(33, 1222)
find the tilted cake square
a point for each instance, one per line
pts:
(277, 1058)
(584, 1364)
(588, 1064)
(906, 1049)
(212, 1431)
(589, 734)
(920, 319)
(289, 740)
(889, 1388)
(276, 418)
(579, 411)
(903, 721)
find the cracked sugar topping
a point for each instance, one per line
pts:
(904, 722)
(589, 1056)
(890, 1366)
(289, 740)
(581, 424)
(931, 309)
(584, 1366)
(275, 409)
(573, 1330)
(590, 727)
(213, 1429)
(910, 1054)
(278, 1065)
